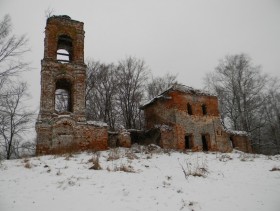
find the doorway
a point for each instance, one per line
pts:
(204, 142)
(188, 141)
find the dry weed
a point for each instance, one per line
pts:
(196, 169)
(28, 165)
(114, 154)
(95, 161)
(275, 169)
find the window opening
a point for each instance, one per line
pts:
(63, 96)
(64, 49)
(189, 108)
(204, 109)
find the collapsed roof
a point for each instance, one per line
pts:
(177, 87)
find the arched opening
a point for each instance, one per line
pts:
(63, 101)
(64, 52)
(189, 109)
(204, 109)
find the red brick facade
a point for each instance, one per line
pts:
(189, 119)
(60, 131)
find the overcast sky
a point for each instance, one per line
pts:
(184, 37)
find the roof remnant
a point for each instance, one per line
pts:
(180, 88)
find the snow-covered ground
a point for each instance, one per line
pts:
(141, 180)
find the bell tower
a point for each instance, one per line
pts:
(63, 70)
(61, 123)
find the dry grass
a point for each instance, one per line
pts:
(246, 157)
(131, 155)
(122, 167)
(68, 156)
(225, 158)
(28, 165)
(196, 169)
(275, 168)
(114, 154)
(95, 161)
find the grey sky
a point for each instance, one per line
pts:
(187, 37)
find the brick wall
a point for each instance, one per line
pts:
(173, 111)
(66, 135)
(67, 131)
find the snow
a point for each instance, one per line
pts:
(163, 127)
(237, 132)
(233, 181)
(188, 89)
(97, 123)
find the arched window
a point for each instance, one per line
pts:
(63, 101)
(64, 52)
(189, 108)
(204, 109)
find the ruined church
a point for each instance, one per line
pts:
(179, 118)
(187, 118)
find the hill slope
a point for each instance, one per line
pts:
(141, 179)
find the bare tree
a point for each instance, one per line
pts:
(240, 87)
(101, 93)
(159, 84)
(131, 75)
(11, 50)
(14, 119)
(270, 133)
(49, 12)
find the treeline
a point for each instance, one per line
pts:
(114, 92)
(249, 100)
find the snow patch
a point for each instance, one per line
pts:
(97, 123)
(163, 127)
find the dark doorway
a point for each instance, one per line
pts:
(189, 108)
(188, 142)
(204, 143)
(204, 109)
(232, 142)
